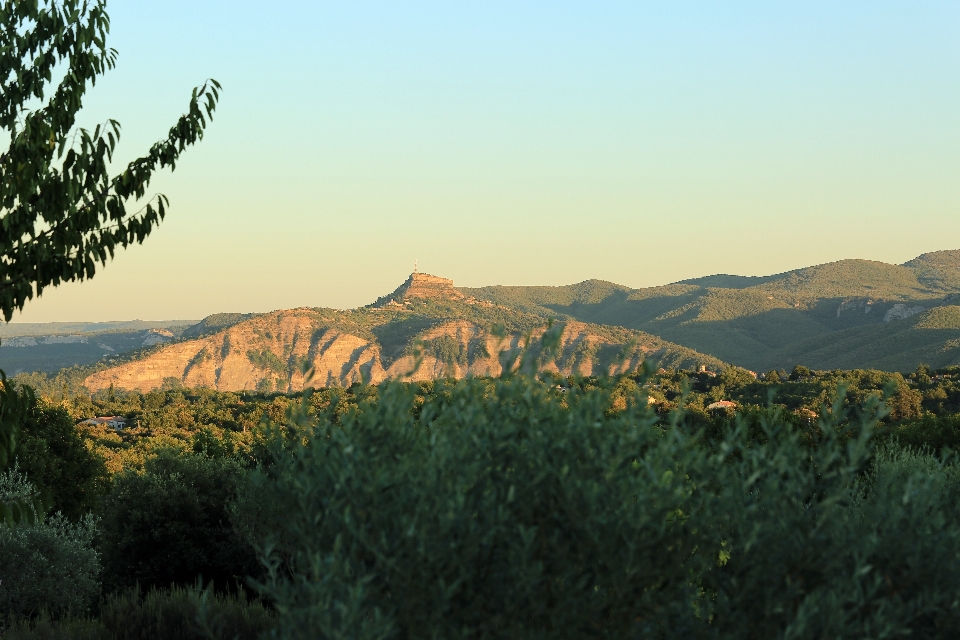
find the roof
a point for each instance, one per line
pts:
(723, 404)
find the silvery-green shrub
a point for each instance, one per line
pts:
(512, 508)
(496, 509)
(49, 565)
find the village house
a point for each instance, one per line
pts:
(114, 422)
(722, 405)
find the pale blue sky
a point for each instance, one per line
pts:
(525, 143)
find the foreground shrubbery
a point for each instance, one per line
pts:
(509, 509)
(50, 565)
(517, 508)
(168, 524)
(168, 614)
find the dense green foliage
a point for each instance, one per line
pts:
(512, 508)
(53, 455)
(168, 524)
(50, 565)
(199, 420)
(938, 434)
(466, 518)
(177, 613)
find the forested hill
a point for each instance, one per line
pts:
(846, 314)
(425, 329)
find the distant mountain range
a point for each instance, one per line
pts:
(847, 314)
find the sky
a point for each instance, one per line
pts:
(523, 143)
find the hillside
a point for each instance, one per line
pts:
(846, 314)
(425, 320)
(843, 313)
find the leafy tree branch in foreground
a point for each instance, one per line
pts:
(61, 210)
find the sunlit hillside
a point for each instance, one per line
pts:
(817, 316)
(424, 330)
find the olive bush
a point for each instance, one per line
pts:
(510, 508)
(832, 541)
(50, 565)
(500, 510)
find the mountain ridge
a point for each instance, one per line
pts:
(755, 320)
(425, 329)
(842, 314)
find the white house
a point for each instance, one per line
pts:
(114, 422)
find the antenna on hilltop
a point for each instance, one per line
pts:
(414, 265)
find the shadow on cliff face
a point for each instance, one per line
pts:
(395, 335)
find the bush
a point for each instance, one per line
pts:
(507, 510)
(932, 432)
(503, 510)
(167, 614)
(51, 565)
(54, 457)
(168, 524)
(829, 543)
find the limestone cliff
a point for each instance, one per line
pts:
(424, 330)
(420, 285)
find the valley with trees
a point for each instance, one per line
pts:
(191, 516)
(722, 457)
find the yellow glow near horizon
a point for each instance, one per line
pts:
(531, 143)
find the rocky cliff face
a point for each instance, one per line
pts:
(407, 336)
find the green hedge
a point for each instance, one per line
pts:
(510, 509)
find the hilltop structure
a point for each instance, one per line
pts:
(420, 285)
